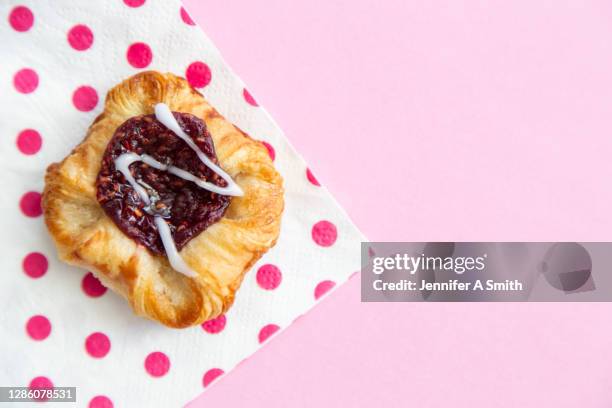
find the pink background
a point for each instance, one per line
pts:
(446, 120)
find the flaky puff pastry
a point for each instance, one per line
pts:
(221, 255)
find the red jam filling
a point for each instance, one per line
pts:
(187, 208)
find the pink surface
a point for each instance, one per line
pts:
(492, 121)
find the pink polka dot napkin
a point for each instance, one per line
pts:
(60, 326)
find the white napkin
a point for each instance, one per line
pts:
(36, 37)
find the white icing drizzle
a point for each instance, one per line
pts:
(173, 255)
(123, 162)
(165, 116)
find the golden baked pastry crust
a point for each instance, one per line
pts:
(221, 255)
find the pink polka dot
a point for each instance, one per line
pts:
(139, 55)
(269, 277)
(249, 98)
(35, 264)
(211, 375)
(100, 401)
(270, 149)
(371, 252)
(186, 17)
(312, 178)
(29, 141)
(80, 37)
(215, 325)
(97, 345)
(324, 233)
(134, 3)
(198, 74)
(30, 204)
(85, 98)
(38, 327)
(267, 331)
(92, 286)
(25, 80)
(21, 18)
(41, 383)
(323, 287)
(157, 364)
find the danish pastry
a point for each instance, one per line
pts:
(165, 201)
